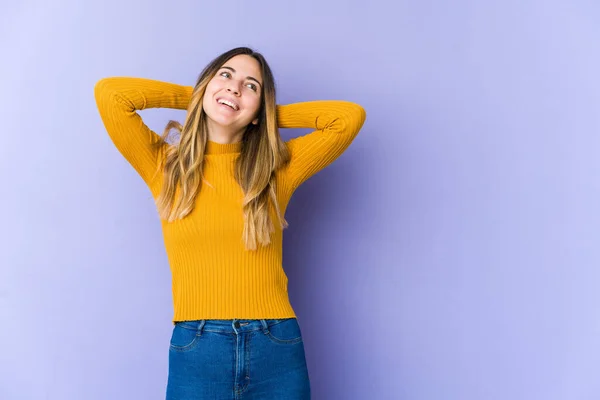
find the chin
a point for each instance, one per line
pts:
(220, 119)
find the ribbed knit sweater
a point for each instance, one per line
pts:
(213, 275)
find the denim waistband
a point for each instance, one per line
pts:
(230, 325)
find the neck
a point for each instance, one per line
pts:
(223, 135)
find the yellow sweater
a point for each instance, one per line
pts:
(213, 275)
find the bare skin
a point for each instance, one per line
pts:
(238, 81)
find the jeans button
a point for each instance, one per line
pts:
(236, 324)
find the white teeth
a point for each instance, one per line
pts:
(226, 102)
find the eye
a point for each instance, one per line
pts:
(252, 86)
(225, 72)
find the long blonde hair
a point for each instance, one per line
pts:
(262, 153)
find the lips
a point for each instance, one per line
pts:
(230, 102)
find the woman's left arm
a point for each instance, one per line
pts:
(335, 122)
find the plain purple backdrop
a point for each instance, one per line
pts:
(451, 253)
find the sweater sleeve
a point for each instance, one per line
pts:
(118, 98)
(336, 123)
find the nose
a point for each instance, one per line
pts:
(234, 88)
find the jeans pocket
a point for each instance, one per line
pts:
(285, 332)
(185, 337)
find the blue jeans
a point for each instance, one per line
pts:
(237, 359)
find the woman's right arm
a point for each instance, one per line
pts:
(118, 99)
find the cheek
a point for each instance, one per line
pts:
(211, 88)
(208, 97)
(206, 103)
(253, 105)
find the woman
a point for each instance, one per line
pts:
(221, 192)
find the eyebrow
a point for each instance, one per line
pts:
(248, 77)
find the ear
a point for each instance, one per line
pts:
(255, 122)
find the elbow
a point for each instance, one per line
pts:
(355, 117)
(361, 114)
(101, 88)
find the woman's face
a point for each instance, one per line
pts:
(233, 96)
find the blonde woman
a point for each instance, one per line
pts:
(221, 193)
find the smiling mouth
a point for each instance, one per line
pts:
(227, 104)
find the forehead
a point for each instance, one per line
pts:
(244, 65)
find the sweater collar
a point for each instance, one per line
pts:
(221, 148)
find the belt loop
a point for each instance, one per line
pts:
(201, 327)
(265, 327)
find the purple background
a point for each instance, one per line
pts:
(451, 253)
